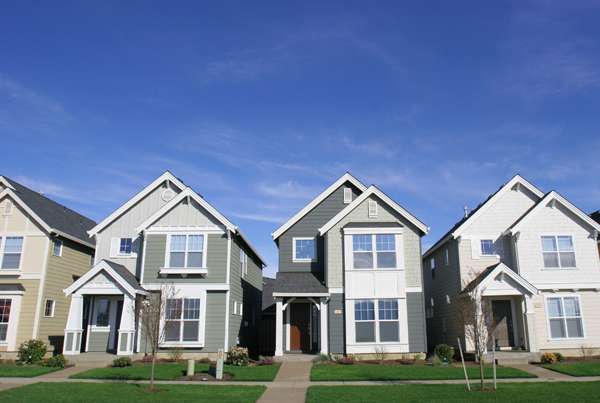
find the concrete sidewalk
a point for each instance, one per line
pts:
(291, 383)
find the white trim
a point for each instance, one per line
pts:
(373, 230)
(72, 238)
(501, 268)
(372, 208)
(314, 239)
(372, 190)
(239, 232)
(42, 285)
(53, 307)
(227, 314)
(191, 287)
(6, 183)
(567, 286)
(60, 247)
(143, 193)
(415, 288)
(184, 270)
(13, 319)
(203, 297)
(10, 272)
(301, 294)
(95, 270)
(562, 296)
(345, 178)
(15, 198)
(336, 290)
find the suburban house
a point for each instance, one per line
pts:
(43, 247)
(596, 217)
(167, 233)
(531, 255)
(350, 275)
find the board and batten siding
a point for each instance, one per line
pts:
(416, 329)
(308, 226)
(336, 324)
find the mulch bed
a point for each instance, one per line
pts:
(399, 363)
(203, 376)
(574, 360)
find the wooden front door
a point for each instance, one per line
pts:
(299, 326)
(505, 335)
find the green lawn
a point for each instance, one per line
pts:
(10, 371)
(166, 372)
(559, 392)
(77, 392)
(580, 369)
(383, 373)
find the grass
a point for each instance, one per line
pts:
(167, 372)
(10, 371)
(579, 369)
(507, 392)
(77, 392)
(405, 373)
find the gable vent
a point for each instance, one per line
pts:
(8, 207)
(372, 209)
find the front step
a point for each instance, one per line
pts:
(509, 357)
(97, 359)
(295, 357)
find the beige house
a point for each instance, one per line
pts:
(44, 246)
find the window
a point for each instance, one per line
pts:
(487, 247)
(92, 257)
(49, 312)
(447, 258)
(347, 195)
(186, 251)
(243, 262)
(103, 313)
(385, 248)
(432, 263)
(304, 249)
(125, 247)
(241, 309)
(11, 258)
(57, 250)
(182, 320)
(376, 327)
(4, 317)
(558, 251)
(234, 308)
(565, 318)
(372, 209)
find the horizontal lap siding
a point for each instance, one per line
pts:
(214, 331)
(98, 341)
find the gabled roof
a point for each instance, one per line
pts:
(345, 178)
(490, 273)
(118, 272)
(188, 192)
(167, 176)
(298, 283)
(465, 222)
(53, 217)
(550, 198)
(372, 190)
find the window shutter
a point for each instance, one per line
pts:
(347, 195)
(475, 245)
(115, 245)
(372, 209)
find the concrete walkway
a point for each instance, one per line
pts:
(290, 385)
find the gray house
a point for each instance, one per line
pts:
(167, 232)
(350, 276)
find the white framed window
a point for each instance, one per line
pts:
(125, 246)
(4, 318)
(385, 251)
(558, 251)
(241, 309)
(186, 251)
(182, 320)
(57, 249)
(347, 195)
(447, 258)
(487, 247)
(103, 313)
(376, 321)
(234, 308)
(11, 256)
(304, 250)
(565, 319)
(372, 208)
(243, 262)
(49, 310)
(432, 265)
(122, 247)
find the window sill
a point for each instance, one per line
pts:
(304, 260)
(559, 268)
(184, 271)
(568, 339)
(183, 344)
(10, 272)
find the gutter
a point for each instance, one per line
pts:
(72, 238)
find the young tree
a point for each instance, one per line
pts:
(474, 318)
(152, 314)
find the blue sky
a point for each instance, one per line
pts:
(261, 105)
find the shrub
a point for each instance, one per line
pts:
(406, 362)
(559, 357)
(347, 361)
(267, 361)
(19, 363)
(321, 358)
(237, 356)
(57, 361)
(586, 352)
(204, 360)
(122, 362)
(175, 353)
(9, 361)
(435, 360)
(548, 358)
(147, 358)
(416, 358)
(444, 352)
(32, 351)
(381, 353)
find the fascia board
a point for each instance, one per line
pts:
(301, 294)
(72, 238)
(243, 236)
(135, 199)
(316, 201)
(15, 198)
(6, 183)
(436, 247)
(95, 270)
(508, 272)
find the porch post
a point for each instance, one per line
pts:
(324, 338)
(73, 330)
(530, 330)
(127, 327)
(278, 327)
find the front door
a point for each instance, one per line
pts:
(505, 332)
(299, 326)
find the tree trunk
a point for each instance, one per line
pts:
(152, 372)
(480, 371)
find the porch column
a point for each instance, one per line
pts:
(127, 326)
(324, 322)
(73, 330)
(278, 326)
(530, 329)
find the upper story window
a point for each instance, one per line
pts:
(57, 249)
(432, 264)
(125, 246)
(11, 256)
(49, 310)
(304, 250)
(182, 320)
(243, 262)
(122, 247)
(447, 258)
(565, 318)
(385, 248)
(186, 251)
(558, 251)
(487, 247)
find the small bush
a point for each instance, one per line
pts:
(267, 361)
(238, 356)
(175, 353)
(122, 362)
(381, 354)
(204, 360)
(57, 361)
(559, 357)
(444, 352)
(435, 360)
(586, 351)
(347, 361)
(9, 361)
(548, 358)
(147, 358)
(321, 358)
(406, 362)
(335, 357)
(417, 358)
(19, 363)
(42, 362)
(32, 351)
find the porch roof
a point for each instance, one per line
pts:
(492, 272)
(295, 284)
(118, 272)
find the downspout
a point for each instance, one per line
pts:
(227, 294)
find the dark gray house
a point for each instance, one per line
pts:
(350, 275)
